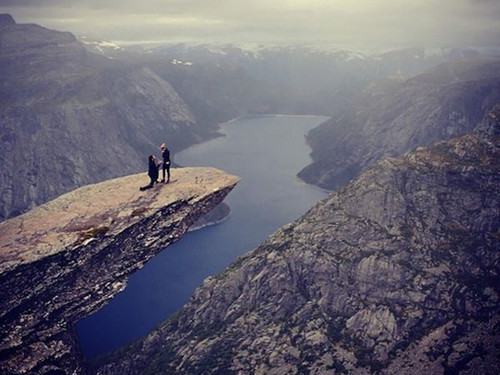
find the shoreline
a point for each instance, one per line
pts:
(270, 115)
(300, 181)
(218, 134)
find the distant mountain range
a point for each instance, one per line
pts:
(225, 81)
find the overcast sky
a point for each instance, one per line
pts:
(347, 23)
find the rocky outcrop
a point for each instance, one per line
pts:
(69, 117)
(394, 116)
(67, 258)
(397, 273)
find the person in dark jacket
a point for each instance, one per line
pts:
(165, 153)
(152, 172)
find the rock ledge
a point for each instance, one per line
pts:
(65, 259)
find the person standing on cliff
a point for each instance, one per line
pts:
(165, 153)
(152, 172)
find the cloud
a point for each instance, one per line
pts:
(346, 22)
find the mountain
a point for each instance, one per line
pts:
(397, 273)
(102, 47)
(64, 260)
(220, 82)
(280, 79)
(376, 101)
(69, 117)
(393, 116)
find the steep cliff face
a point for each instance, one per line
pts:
(398, 273)
(65, 259)
(392, 117)
(69, 117)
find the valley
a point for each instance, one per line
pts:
(266, 153)
(393, 270)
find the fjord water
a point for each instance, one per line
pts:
(266, 152)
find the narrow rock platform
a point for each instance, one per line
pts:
(94, 210)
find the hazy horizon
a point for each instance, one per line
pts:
(355, 24)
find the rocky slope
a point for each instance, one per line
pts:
(397, 273)
(391, 117)
(69, 117)
(65, 259)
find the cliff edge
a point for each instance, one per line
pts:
(67, 258)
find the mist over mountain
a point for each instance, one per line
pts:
(393, 116)
(289, 79)
(220, 82)
(367, 25)
(70, 117)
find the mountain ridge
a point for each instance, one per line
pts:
(394, 116)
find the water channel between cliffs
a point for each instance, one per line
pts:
(266, 152)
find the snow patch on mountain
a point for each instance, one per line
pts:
(180, 62)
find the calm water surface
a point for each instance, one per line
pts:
(266, 152)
